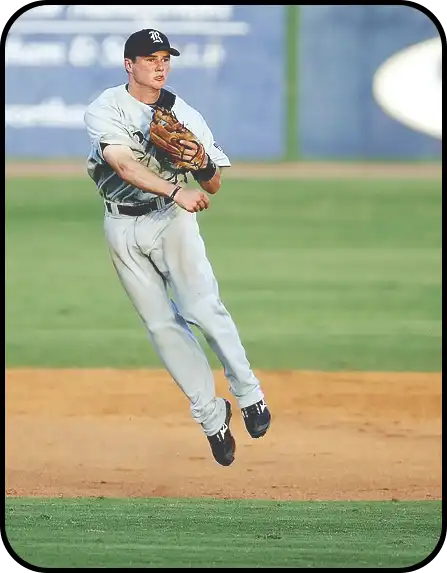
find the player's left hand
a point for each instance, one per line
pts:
(190, 152)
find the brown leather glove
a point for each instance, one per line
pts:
(166, 132)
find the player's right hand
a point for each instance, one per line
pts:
(192, 200)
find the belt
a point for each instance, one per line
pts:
(137, 210)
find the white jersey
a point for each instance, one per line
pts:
(116, 117)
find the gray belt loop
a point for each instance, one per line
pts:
(111, 207)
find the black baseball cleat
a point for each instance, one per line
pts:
(257, 419)
(222, 444)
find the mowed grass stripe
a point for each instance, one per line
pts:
(192, 532)
(323, 275)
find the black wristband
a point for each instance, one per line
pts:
(207, 172)
(175, 191)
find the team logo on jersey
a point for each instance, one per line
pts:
(155, 36)
(218, 147)
(139, 136)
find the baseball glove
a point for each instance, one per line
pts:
(166, 132)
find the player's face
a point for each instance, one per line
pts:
(150, 71)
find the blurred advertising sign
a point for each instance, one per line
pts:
(369, 83)
(60, 57)
(408, 86)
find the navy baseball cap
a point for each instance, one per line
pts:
(146, 42)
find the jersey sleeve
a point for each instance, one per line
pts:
(197, 124)
(104, 126)
(214, 150)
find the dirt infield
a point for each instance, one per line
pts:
(286, 170)
(129, 433)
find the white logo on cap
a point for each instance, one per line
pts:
(155, 36)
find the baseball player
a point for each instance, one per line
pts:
(153, 235)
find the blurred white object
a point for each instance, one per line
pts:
(408, 87)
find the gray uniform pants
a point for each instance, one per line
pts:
(162, 249)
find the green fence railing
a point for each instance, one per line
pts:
(292, 15)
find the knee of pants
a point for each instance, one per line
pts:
(158, 329)
(202, 311)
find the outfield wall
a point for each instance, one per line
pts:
(272, 81)
(340, 49)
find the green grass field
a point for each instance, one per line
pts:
(208, 533)
(340, 275)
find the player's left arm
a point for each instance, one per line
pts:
(212, 185)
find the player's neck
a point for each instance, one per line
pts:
(143, 93)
